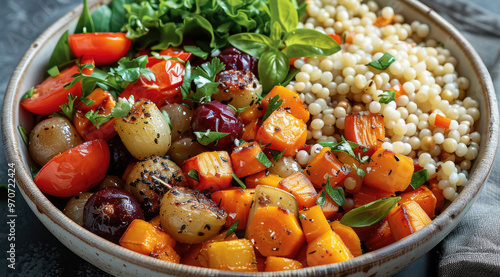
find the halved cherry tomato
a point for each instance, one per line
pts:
(76, 170)
(87, 60)
(103, 103)
(165, 89)
(104, 48)
(178, 53)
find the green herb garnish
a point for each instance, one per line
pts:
(193, 174)
(336, 194)
(370, 213)
(24, 134)
(383, 63)
(419, 178)
(274, 103)
(277, 155)
(205, 138)
(262, 158)
(387, 96)
(233, 228)
(239, 181)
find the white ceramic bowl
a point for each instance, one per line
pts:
(123, 262)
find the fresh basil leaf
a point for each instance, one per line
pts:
(238, 181)
(262, 158)
(102, 19)
(34, 171)
(361, 173)
(387, 96)
(336, 194)
(61, 53)
(251, 43)
(309, 43)
(321, 198)
(205, 138)
(383, 63)
(195, 50)
(276, 33)
(231, 229)
(85, 23)
(289, 77)
(274, 104)
(277, 155)
(370, 213)
(24, 134)
(167, 117)
(273, 68)
(419, 178)
(193, 174)
(68, 108)
(285, 13)
(53, 71)
(28, 93)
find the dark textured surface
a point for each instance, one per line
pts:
(38, 253)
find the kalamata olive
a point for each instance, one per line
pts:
(180, 118)
(217, 117)
(75, 206)
(237, 60)
(185, 148)
(51, 137)
(120, 157)
(110, 181)
(109, 212)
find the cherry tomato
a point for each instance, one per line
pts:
(178, 53)
(103, 103)
(104, 48)
(76, 170)
(165, 89)
(86, 60)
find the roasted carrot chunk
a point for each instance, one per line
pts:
(284, 131)
(349, 162)
(279, 264)
(398, 89)
(367, 195)
(144, 238)
(210, 171)
(349, 237)
(245, 159)
(381, 21)
(250, 130)
(327, 249)
(234, 255)
(237, 204)
(366, 129)
(330, 208)
(424, 197)
(253, 112)
(323, 166)
(300, 187)
(407, 219)
(193, 256)
(263, 178)
(442, 121)
(156, 222)
(438, 193)
(380, 237)
(291, 102)
(275, 232)
(314, 223)
(167, 254)
(389, 171)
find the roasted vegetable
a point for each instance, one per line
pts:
(189, 216)
(327, 249)
(185, 148)
(74, 208)
(245, 159)
(144, 131)
(210, 171)
(263, 178)
(51, 137)
(325, 166)
(238, 88)
(366, 129)
(407, 219)
(285, 167)
(280, 264)
(301, 188)
(349, 237)
(424, 197)
(233, 255)
(389, 171)
(149, 180)
(291, 102)
(180, 119)
(236, 203)
(144, 238)
(313, 223)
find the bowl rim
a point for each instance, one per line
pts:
(457, 208)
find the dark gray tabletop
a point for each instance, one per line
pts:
(38, 252)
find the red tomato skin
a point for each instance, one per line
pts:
(165, 89)
(76, 170)
(178, 53)
(104, 102)
(104, 48)
(50, 94)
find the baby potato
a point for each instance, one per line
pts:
(52, 137)
(74, 208)
(180, 118)
(146, 182)
(144, 131)
(189, 216)
(285, 167)
(238, 88)
(185, 148)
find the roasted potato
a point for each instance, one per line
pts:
(285, 167)
(144, 131)
(75, 206)
(185, 148)
(189, 216)
(180, 118)
(146, 182)
(52, 137)
(238, 88)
